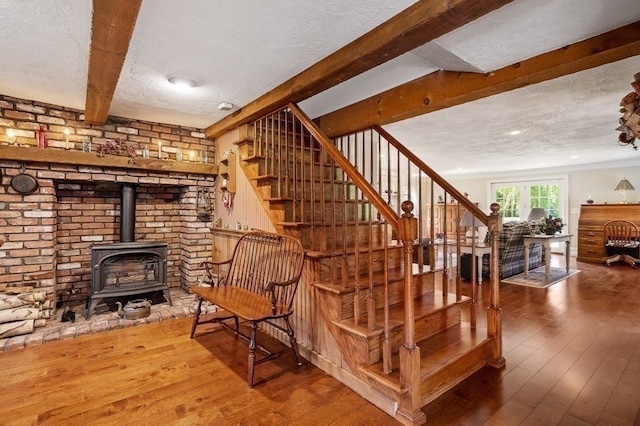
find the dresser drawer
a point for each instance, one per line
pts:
(591, 251)
(590, 245)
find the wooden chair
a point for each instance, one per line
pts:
(621, 242)
(257, 284)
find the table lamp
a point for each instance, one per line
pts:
(624, 185)
(536, 213)
(471, 222)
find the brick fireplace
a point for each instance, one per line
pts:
(51, 232)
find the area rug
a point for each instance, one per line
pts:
(537, 279)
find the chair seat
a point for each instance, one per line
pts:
(622, 242)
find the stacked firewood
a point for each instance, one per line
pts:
(22, 310)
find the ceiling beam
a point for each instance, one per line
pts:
(420, 23)
(444, 89)
(112, 26)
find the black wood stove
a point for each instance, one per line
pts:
(128, 267)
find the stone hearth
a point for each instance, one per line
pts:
(103, 321)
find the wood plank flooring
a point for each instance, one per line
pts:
(572, 356)
(572, 352)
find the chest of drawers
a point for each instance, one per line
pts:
(590, 227)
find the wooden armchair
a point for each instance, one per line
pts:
(621, 242)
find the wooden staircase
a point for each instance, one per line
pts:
(389, 327)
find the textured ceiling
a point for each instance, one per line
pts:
(236, 51)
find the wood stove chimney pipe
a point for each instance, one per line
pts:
(128, 213)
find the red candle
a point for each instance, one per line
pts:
(42, 137)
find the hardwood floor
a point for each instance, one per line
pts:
(572, 352)
(572, 356)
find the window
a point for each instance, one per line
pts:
(517, 198)
(546, 196)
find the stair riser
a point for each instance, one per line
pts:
(320, 191)
(323, 238)
(428, 326)
(326, 213)
(328, 268)
(292, 170)
(422, 284)
(434, 385)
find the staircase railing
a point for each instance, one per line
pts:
(439, 209)
(347, 199)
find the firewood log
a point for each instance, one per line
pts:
(16, 328)
(34, 296)
(8, 315)
(10, 302)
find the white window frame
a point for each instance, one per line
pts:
(525, 183)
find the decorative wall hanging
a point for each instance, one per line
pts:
(115, 147)
(203, 202)
(24, 183)
(630, 120)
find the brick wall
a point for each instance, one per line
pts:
(25, 117)
(49, 233)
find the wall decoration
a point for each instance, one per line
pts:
(630, 120)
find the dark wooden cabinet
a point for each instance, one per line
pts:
(590, 227)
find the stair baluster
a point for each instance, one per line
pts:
(343, 199)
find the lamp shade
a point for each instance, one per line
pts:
(624, 185)
(469, 220)
(536, 213)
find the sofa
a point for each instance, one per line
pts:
(511, 250)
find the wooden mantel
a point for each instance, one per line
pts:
(79, 158)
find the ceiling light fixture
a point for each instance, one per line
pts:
(182, 82)
(225, 106)
(515, 132)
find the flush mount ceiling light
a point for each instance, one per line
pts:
(182, 82)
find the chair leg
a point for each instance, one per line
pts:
(196, 317)
(252, 353)
(630, 260)
(610, 259)
(293, 341)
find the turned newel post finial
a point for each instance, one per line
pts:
(407, 208)
(407, 225)
(495, 221)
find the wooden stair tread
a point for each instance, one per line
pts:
(327, 225)
(314, 254)
(326, 181)
(317, 201)
(394, 274)
(258, 157)
(425, 305)
(436, 353)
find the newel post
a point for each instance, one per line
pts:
(409, 352)
(494, 312)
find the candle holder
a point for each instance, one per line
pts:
(12, 136)
(66, 138)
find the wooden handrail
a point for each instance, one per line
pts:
(385, 210)
(483, 217)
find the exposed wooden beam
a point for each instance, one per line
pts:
(443, 89)
(422, 22)
(111, 30)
